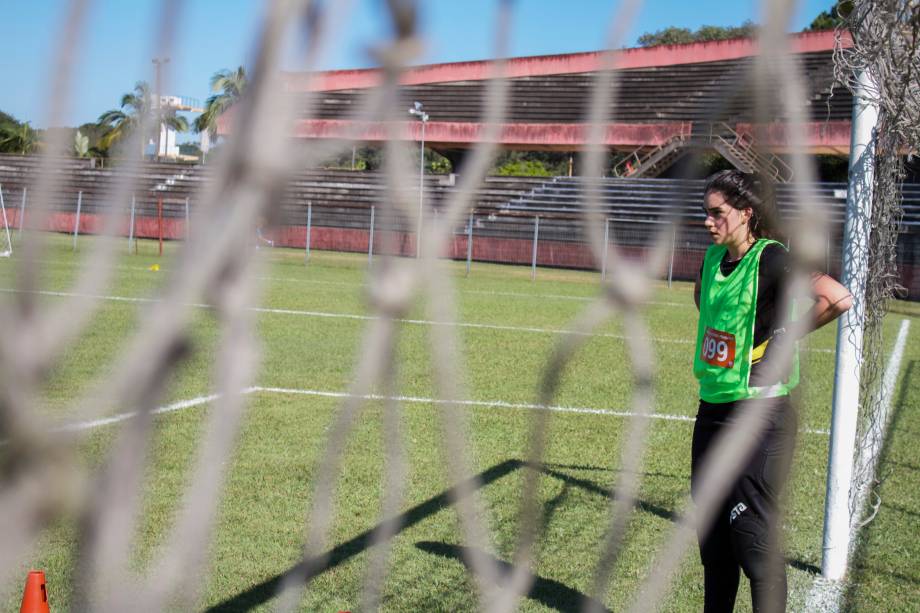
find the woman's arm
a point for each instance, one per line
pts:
(831, 300)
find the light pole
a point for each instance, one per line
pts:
(159, 62)
(423, 116)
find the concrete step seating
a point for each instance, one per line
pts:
(708, 91)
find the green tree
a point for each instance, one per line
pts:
(95, 133)
(435, 163)
(531, 163)
(7, 119)
(134, 112)
(190, 149)
(523, 168)
(228, 86)
(366, 158)
(680, 36)
(832, 17)
(18, 138)
(667, 36)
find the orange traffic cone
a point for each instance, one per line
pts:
(35, 596)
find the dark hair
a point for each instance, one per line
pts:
(741, 191)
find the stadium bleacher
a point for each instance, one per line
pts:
(505, 208)
(684, 92)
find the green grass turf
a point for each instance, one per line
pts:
(261, 520)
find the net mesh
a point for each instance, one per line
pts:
(43, 480)
(885, 37)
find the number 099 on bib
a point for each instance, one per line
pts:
(718, 348)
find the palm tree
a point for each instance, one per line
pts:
(18, 138)
(228, 86)
(135, 111)
(80, 145)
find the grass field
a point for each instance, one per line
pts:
(310, 329)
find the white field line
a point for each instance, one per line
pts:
(825, 595)
(114, 419)
(351, 284)
(564, 297)
(352, 316)
(479, 292)
(868, 460)
(500, 404)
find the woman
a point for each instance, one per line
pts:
(740, 294)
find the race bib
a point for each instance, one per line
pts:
(718, 348)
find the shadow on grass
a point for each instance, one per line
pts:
(594, 488)
(548, 592)
(584, 467)
(309, 568)
(803, 566)
(899, 509)
(904, 465)
(861, 562)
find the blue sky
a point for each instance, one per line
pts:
(211, 35)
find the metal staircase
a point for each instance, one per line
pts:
(739, 149)
(651, 163)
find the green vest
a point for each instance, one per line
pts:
(725, 335)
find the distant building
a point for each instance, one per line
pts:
(168, 144)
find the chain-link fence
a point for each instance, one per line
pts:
(502, 233)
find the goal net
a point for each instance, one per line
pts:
(500, 541)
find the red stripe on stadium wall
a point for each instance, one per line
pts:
(821, 136)
(468, 133)
(830, 134)
(92, 223)
(641, 57)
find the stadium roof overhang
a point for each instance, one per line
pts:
(543, 118)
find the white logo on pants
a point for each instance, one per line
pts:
(737, 510)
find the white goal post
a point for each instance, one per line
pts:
(6, 245)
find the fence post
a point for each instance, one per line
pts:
(22, 210)
(370, 240)
(306, 256)
(536, 238)
(160, 222)
(469, 245)
(6, 224)
(671, 262)
(131, 224)
(188, 227)
(606, 246)
(76, 222)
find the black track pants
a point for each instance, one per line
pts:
(744, 532)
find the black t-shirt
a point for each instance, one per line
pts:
(771, 284)
(772, 278)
